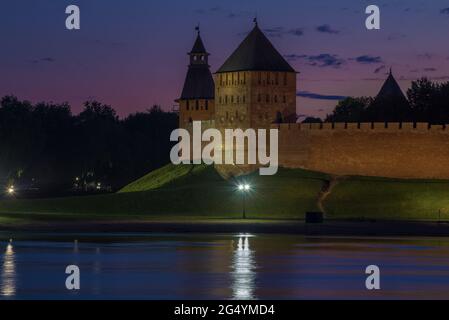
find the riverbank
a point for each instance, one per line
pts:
(330, 228)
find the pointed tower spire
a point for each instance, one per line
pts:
(390, 88)
(199, 83)
(256, 53)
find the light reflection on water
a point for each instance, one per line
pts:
(243, 273)
(201, 266)
(8, 274)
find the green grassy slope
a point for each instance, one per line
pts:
(197, 193)
(158, 178)
(389, 199)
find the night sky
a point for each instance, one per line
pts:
(132, 54)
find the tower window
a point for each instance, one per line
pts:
(276, 99)
(226, 99)
(277, 78)
(187, 105)
(243, 98)
(238, 99)
(285, 79)
(232, 99)
(268, 98)
(260, 78)
(244, 78)
(221, 79)
(284, 99)
(207, 104)
(259, 98)
(197, 104)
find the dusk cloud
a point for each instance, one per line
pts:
(321, 60)
(379, 69)
(326, 60)
(280, 31)
(46, 59)
(445, 11)
(317, 96)
(366, 59)
(325, 28)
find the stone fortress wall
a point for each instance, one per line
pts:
(391, 150)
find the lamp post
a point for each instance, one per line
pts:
(244, 189)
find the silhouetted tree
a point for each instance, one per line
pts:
(312, 120)
(350, 110)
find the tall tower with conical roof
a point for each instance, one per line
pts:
(197, 98)
(255, 87)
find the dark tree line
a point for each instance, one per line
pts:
(426, 101)
(45, 147)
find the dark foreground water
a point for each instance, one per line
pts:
(172, 266)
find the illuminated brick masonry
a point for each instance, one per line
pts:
(256, 88)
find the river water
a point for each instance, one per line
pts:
(217, 266)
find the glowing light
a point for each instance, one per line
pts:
(11, 190)
(244, 187)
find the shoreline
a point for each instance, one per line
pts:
(329, 228)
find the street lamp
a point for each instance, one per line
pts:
(244, 189)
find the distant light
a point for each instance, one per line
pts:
(241, 187)
(11, 190)
(247, 187)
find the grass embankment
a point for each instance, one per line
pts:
(391, 199)
(179, 193)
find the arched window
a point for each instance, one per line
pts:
(244, 78)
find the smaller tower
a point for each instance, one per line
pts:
(390, 105)
(197, 98)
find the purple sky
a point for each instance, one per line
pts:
(132, 54)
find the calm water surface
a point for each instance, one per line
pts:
(168, 266)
